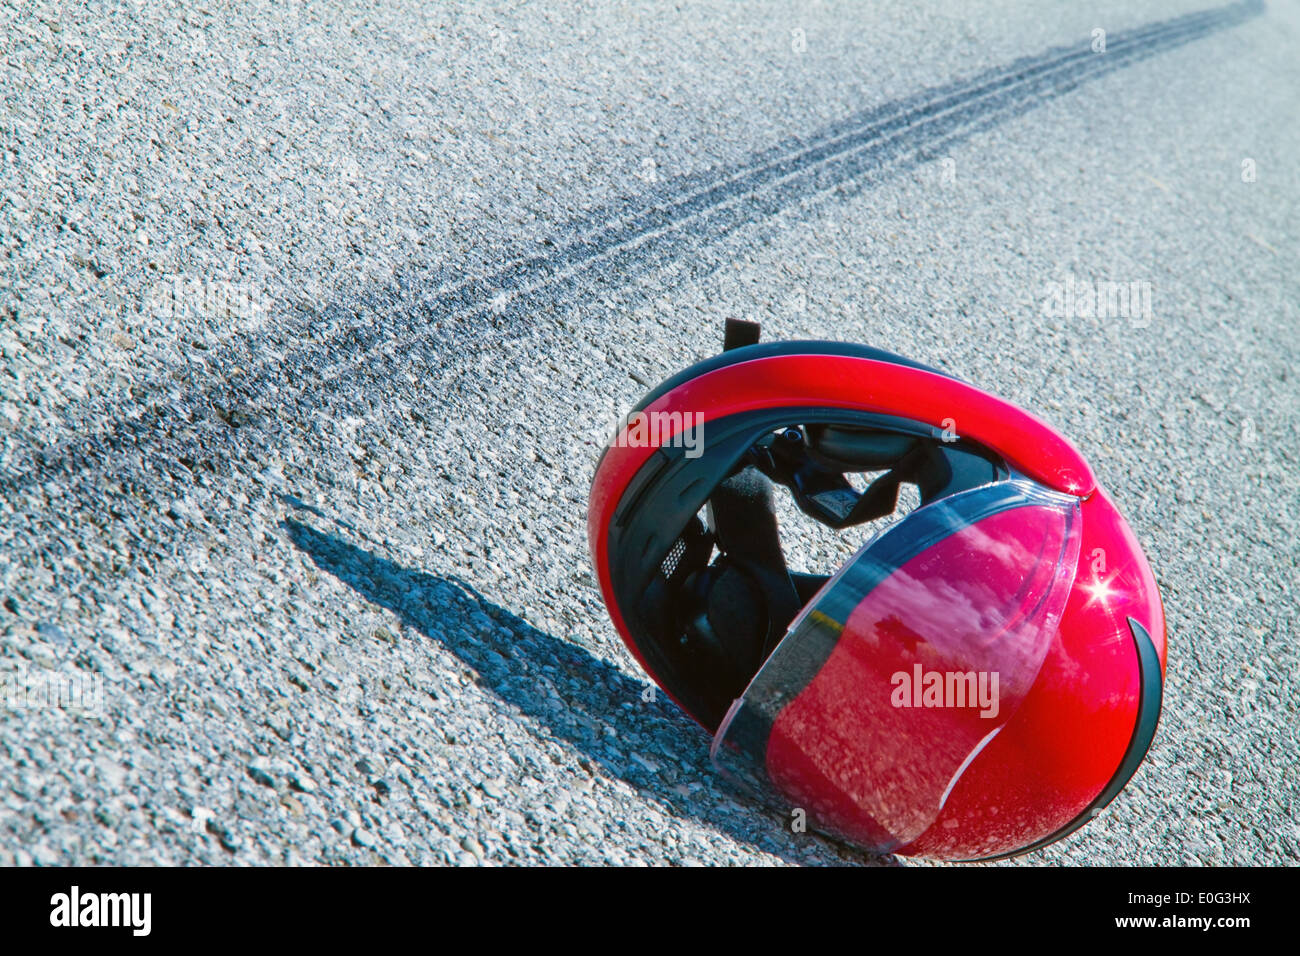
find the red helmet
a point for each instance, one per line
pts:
(981, 678)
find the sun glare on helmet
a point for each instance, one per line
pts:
(1100, 591)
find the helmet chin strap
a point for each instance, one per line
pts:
(742, 516)
(744, 603)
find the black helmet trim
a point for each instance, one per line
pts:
(748, 353)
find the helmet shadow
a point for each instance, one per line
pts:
(580, 699)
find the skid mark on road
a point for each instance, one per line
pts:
(422, 317)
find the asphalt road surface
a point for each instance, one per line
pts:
(313, 318)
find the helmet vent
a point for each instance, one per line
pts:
(673, 558)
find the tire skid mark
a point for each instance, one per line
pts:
(613, 251)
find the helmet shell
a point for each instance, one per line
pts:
(1070, 737)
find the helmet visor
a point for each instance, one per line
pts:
(907, 663)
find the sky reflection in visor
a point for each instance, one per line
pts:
(907, 663)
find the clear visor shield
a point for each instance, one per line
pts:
(907, 664)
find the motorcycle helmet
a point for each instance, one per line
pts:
(980, 678)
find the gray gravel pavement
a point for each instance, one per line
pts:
(313, 316)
